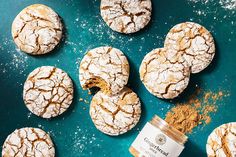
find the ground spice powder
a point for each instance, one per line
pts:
(195, 111)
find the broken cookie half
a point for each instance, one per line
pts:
(106, 68)
(162, 77)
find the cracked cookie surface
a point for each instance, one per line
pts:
(161, 77)
(117, 114)
(126, 16)
(193, 42)
(222, 141)
(28, 142)
(48, 91)
(106, 68)
(37, 29)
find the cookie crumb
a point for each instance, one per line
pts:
(89, 92)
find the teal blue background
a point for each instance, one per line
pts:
(73, 132)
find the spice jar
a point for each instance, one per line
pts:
(158, 139)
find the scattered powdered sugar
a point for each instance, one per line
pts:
(40, 126)
(29, 115)
(18, 59)
(218, 12)
(82, 138)
(228, 4)
(200, 12)
(72, 45)
(196, 1)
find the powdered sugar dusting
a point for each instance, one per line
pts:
(81, 139)
(202, 1)
(17, 60)
(225, 4)
(228, 4)
(218, 12)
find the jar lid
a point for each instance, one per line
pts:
(169, 130)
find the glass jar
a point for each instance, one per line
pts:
(158, 139)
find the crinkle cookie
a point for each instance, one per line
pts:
(193, 42)
(126, 16)
(48, 91)
(161, 77)
(28, 142)
(37, 29)
(106, 68)
(222, 141)
(117, 114)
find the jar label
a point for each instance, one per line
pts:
(152, 142)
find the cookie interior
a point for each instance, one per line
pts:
(98, 82)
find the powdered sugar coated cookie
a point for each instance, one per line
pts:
(37, 29)
(126, 16)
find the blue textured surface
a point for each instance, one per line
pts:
(73, 133)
